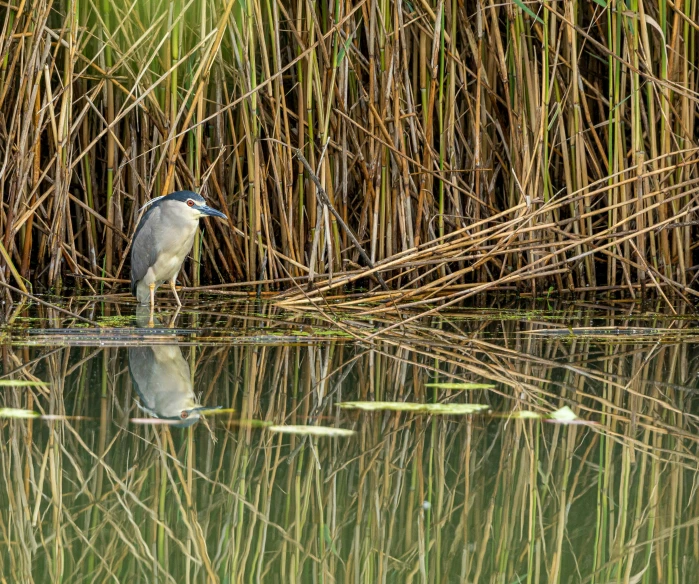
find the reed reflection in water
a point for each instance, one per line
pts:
(95, 497)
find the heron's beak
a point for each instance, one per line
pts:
(206, 210)
(204, 409)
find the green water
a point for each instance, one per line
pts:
(100, 492)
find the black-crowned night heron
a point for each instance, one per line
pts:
(163, 381)
(163, 239)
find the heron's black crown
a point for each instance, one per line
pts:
(181, 196)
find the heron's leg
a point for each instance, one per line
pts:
(174, 291)
(174, 318)
(152, 303)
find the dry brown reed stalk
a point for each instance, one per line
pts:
(546, 146)
(406, 497)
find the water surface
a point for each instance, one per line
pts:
(103, 491)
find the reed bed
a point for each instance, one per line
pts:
(407, 499)
(434, 147)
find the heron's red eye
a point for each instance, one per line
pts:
(184, 415)
(190, 203)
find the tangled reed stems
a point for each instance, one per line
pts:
(467, 145)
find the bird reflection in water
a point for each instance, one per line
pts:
(163, 381)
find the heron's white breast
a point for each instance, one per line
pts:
(174, 242)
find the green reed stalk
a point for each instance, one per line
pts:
(614, 71)
(175, 9)
(665, 136)
(545, 101)
(162, 497)
(310, 205)
(111, 154)
(440, 121)
(254, 205)
(637, 132)
(301, 114)
(687, 120)
(430, 478)
(198, 146)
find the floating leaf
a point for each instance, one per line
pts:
(21, 383)
(450, 385)
(312, 430)
(525, 415)
(154, 421)
(52, 417)
(565, 414)
(18, 414)
(216, 411)
(447, 409)
(251, 423)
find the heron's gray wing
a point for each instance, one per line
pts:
(140, 369)
(161, 378)
(143, 248)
